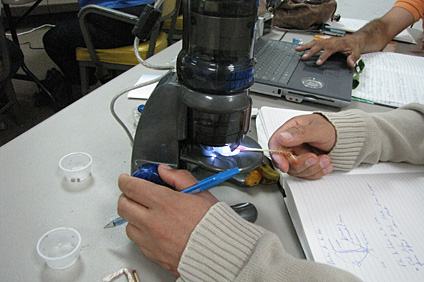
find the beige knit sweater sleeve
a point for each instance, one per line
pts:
(224, 247)
(396, 136)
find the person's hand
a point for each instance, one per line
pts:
(310, 137)
(161, 220)
(348, 45)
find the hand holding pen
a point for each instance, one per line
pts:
(202, 185)
(310, 138)
(160, 221)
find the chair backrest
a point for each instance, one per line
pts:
(169, 7)
(169, 10)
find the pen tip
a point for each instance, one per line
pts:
(109, 225)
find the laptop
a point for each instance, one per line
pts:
(281, 72)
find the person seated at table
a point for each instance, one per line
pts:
(198, 238)
(60, 42)
(372, 37)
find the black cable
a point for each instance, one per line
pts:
(32, 48)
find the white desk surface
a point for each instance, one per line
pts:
(35, 197)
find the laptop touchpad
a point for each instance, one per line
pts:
(314, 69)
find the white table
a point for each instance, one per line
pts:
(35, 197)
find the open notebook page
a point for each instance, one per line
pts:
(391, 79)
(312, 196)
(371, 227)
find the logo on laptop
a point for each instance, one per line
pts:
(312, 82)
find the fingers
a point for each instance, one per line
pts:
(131, 211)
(182, 179)
(304, 134)
(351, 61)
(280, 162)
(314, 49)
(178, 178)
(160, 220)
(347, 45)
(353, 58)
(139, 192)
(284, 138)
(275, 143)
(305, 46)
(324, 56)
(147, 193)
(308, 136)
(314, 130)
(327, 46)
(311, 166)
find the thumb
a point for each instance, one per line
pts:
(297, 135)
(351, 60)
(182, 179)
(178, 178)
(315, 130)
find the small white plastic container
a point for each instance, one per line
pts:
(60, 247)
(76, 166)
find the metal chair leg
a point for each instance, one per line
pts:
(29, 75)
(12, 103)
(84, 79)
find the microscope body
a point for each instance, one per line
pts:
(206, 103)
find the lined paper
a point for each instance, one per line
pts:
(367, 221)
(391, 79)
(370, 225)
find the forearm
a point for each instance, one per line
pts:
(225, 247)
(375, 35)
(396, 136)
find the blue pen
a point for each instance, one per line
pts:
(202, 185)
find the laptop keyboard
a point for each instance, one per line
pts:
(276, 60)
